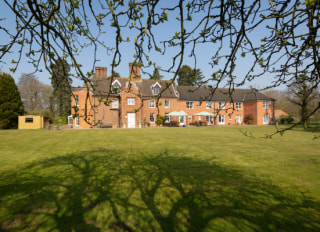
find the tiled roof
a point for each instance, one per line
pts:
(192, 93)
(185, 93)
(102, 85)
(145, 87)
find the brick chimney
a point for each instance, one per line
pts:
(101, 72)
(134, 72)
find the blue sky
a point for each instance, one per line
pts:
(167, 30)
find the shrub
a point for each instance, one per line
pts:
(248, 119)
(60, 121)
(160, 119)
(286, 120)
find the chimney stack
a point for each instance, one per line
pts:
(101, 72)
(134, 72)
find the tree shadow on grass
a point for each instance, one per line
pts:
(106, 190)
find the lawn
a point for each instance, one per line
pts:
(164, 179)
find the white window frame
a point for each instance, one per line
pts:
(115, 103)
(130, 101)
(199, 118)
(189, 105)
(209, 105)
(230, 105)
(76, 100)
(156, 88)
(230, 117)
(152, 115)
(167, 105)
(167, 118)
(238, 106)
(266, 116)
(151, 104)
(222, 119)
(222, 105)
(265, 104)
(116, 82)
(190, 118)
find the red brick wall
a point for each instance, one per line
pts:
(107, 114)
(82, 96)
(256, 110)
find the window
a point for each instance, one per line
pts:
(152, 117)
(116, 86)
(115, 103)
(167, 118)
(200, 103)
(156, 88)
(76, 100)
(130, 101)
(166, 104)
(28, 120)
(230, 117)
(199, 118)
(209, 119)
(238, 106)
(221, 119)
(230, 105)
(189, 105)
(209, 105)
(266, 119)
(151, 104)
(190, 118)
(265, 105)
(222, 105)
(70, 120)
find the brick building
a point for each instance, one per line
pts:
(133, 103)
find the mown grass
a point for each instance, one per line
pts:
(166, 179)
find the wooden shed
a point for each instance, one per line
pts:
(31, 122)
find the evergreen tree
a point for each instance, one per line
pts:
(10, 102)
(156, 74)
(189, 76)
(61, 83)
(115, 74)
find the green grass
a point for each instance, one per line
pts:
(166, 179)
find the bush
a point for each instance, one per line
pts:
(160, 119)
(60, 121)
(248, 119)
(286, 120)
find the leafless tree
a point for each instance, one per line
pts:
(34, 94)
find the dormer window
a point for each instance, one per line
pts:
(115, 87)
(156, 88)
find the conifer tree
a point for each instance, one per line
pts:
(10, 102)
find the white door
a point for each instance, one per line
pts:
(238, 119)
(131, 120)
(181, 120)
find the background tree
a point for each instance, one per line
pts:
(189, 76)
(301, 93)
(115, 74)
(156, 74)
(10, 102)
(34, 94)
(61, 84)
